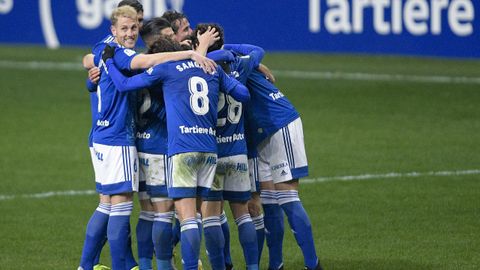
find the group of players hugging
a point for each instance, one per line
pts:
(188, 125)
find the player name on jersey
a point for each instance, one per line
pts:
(187, 65)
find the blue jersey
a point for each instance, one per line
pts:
(116, 110)
(191, 98)
(230, 123)
(151, 122)
(268, 110)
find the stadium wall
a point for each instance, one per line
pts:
(444, 28)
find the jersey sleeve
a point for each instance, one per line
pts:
(123, 57)
(91, 87)
(254, 52)
(137, 82)
(233, 87)
(221, 55)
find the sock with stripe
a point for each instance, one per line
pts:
(214, 242)
(118, 231)
(190, 244)
(226, 236)
(260, 230)
(248, 241)
(95, 237)
(274, 228)
(176, 231)
(300, 225)
(144, 239)
(163, 239)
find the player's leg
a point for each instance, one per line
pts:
(237, 191)
(119, 176)
(147, 214)
(96, 234)
(162, 234)
(289, 162)
(189, 175)
(255, 205)
(212, 208)
(226, 235)
(273, 213)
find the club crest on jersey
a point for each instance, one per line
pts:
(129, 52)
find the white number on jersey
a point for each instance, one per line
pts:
(234, 110)
(198, 95)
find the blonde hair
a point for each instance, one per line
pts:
(123, 11)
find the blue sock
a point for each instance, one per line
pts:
(200, 225)
(129, 258)
(118, 233)
(300, 224)
(95, 236)
(144, 240)
(190, 244)
(214, 242)
(162, 236)
(260, 229)
(176, 231)
(248, 241)
(274, 228)
(226, 235)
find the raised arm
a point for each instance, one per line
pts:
(233, 87)
(145, 61)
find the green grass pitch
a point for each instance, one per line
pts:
(352, 127)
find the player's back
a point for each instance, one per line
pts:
(268, 109)
(191, 98)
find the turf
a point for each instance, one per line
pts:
(351, 128)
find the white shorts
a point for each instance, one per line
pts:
(153, 174)
(93, 156)
(231, 179)
(116, 167)
(281, 156)
(190, 174)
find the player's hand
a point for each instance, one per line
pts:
(208, 37)
(267, 72)
(208, 65)
(108, 53)
(94, 75)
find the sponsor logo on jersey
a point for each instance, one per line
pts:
(276, 96)
(103, 123)
(143, 135)
(197, 130)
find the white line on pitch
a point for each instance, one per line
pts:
(304, 181)
(296, 74)
(388, 176)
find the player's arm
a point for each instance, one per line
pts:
(123, 83)
(206, 40)
(254, 52)
(145, 61)
(267, 72)
(221, 55)
(233, 87)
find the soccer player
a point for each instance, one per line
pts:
(191, 121)
(181, 27)
(232, 181)
(276, 129)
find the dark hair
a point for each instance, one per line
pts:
(202, 28)
(164, 45)
(133, 3)
(172, 16)
(152, 28)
